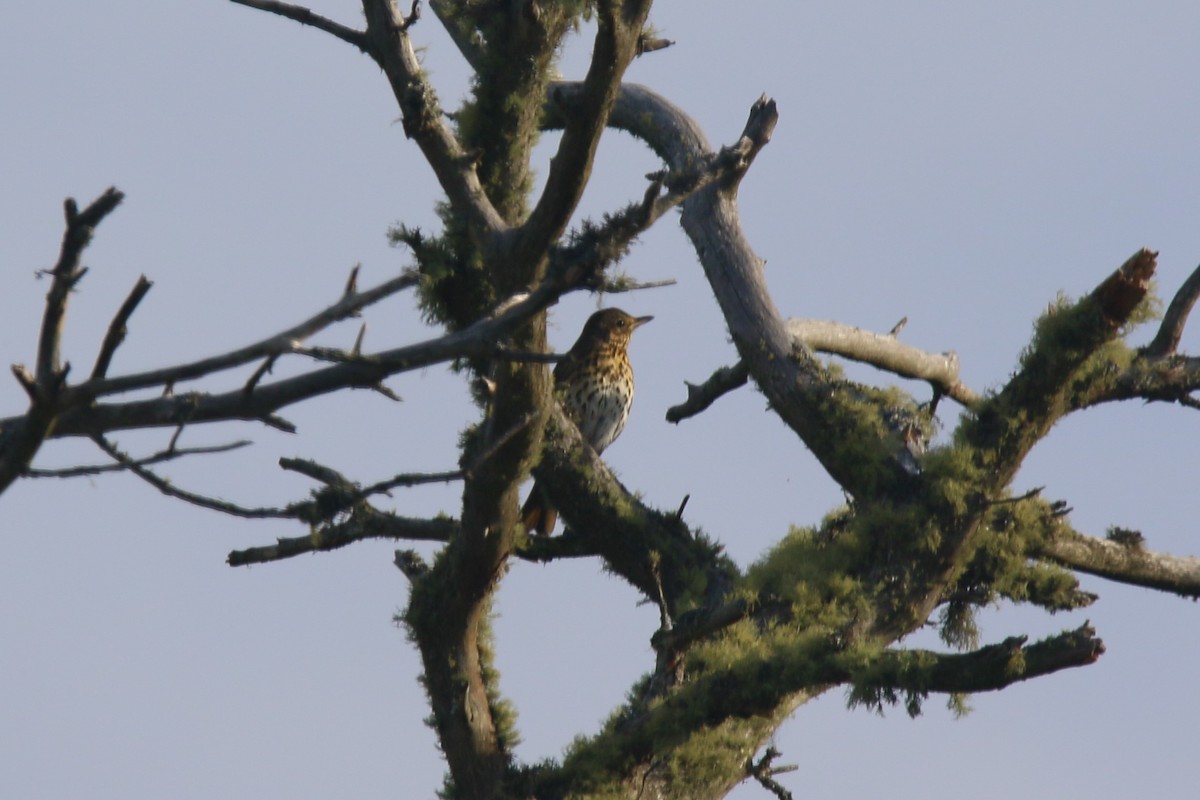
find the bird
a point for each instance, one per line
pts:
(594, 383)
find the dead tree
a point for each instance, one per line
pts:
(930, 532)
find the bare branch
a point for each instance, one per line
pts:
(987, 669)
(305, 16)
(595, 246)
(117, 328)
(476, 340)
(425, 123)
(619, 286)
(166, 488)
(318, 472)
(698, 624)
(1170, 331)
(282, 342)
(65, 275)
(364, 523)
(21, 438)
(789, 376)
(411, 479)
(883, 352)
(701, 396)
(648, 44)
(259, 373)
(169, 454)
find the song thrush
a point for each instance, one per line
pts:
(594, 383)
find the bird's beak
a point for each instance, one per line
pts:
(640, 321)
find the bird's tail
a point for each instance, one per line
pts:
(538, 516)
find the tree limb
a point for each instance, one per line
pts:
(790, 377)
(306, 16)
(1123, 563)
(425, 123)
(989, 668)
(462, 35)
(349, 305)
(477, 340)
(21, 438)
(617, 32)
(881, 351)
(1170, 331)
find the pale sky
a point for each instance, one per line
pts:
(958, 164)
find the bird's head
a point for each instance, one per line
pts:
(612, 325)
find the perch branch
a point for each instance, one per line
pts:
(476, 340)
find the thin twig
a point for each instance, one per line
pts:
(65, 275)
(620, 286)
(117, 328)
(259, 373)
(166, 488)
(306, 16)
(411, 479)
(47, 384)
(764, 773)
(169, 454)
(504, 353)
(520, 425)
(352, 282)
(702, 395)
(364, 523)
(284, 341)
(1176, 317)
